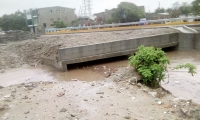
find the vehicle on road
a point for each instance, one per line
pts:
(143, 21)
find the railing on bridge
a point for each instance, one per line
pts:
(133, 24)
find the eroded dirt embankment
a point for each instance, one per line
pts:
(117, 97)
(16, 54)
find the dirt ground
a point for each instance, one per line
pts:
(117, 97)
(16, 54)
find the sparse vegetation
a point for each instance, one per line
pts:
(191, 68)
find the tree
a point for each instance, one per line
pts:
(127, 12)
(196, 7)
(59, 24)
(160, 10)
(174, 12)
(14, 21)
(109, 21)
(74, 22)
(185, 8)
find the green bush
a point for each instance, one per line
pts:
(151, 64)
(59, 24)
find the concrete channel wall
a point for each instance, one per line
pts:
(78, 54)
(109, 49)
(188, 41)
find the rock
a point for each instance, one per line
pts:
(101, 96)
(74, 79)
(63, 110)
(156, 99)
(139, 85)
(7, 99)
(119, 91)
(160, 93)
(12, 66)
(100, 93)
(25, 97)
(1, 107)
(26, 112)
(92, 84)
(28, 85)
(159, 102)
(127, 117)
(7, 96)
(176, 100)
(19, 86)
(133, 80)
(13, 90)
(3, 71)
(85, 100)
(1, 87)
(60, 94)
(145, 90)
(111, 87)
(28, 101)
(153, 94)
(30, 88)
(33, 64)
(5, 118)
(72, 115)
(44, 89)
(184, 110)
(177, 82)
(133, 98)
(172, 111)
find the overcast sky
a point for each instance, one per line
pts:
(10, 6)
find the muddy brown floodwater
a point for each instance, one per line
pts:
(181, 83)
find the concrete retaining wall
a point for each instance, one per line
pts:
(188, 41)
(185, 41)
(54, 63)
(197, 42)
(112, 49)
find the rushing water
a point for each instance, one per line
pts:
(181, 83)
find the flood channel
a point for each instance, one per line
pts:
(181, 83)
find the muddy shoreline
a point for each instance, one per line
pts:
(115, 97)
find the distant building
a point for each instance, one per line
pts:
(103, 17)
(41, 18)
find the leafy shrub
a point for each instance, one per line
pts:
(59, 24)
(191, 68)
(151, 64)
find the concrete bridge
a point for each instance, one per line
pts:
(183, 41)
